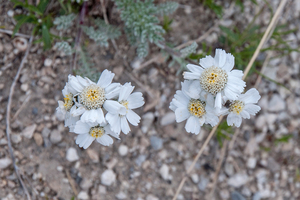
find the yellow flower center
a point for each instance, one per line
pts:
(125, 104)
(237, 107)
(196, 107)
(213, 79)
(68, 101)
(97, 131)
(92, 97)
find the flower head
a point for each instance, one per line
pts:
(88, 132)
(119, 120)
(216, 78)
(243, 107)
(196, 111)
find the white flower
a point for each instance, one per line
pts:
(243, 107)
(216, 78)
(88, 132)
(196, 111)
(65, 107)
(93, 96)
(118, 120)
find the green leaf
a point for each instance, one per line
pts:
(34, 9)
(43, 5)
(231, 35)
(283, 139)
(23, 20)
(18, 3)
(46, 37)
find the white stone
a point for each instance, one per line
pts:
(195, 178)
(164, 172)
(72, 155)
(93, 155)
(5, 162)
(238, 180)
(123, 150)
(108, 177)
(276, 104)
(121, 195)
(48, 62)
(10, 13)
(147, 120)
(28, 131)
(83, 195)
(224, 194)
(167, 119)
(151, 197)
(251, 162)
(55, 136)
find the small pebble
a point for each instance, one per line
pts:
(48, 62)
(5, 162)
(123, 150)
(72, 155)
(108, 177)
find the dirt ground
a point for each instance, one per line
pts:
(149, 162)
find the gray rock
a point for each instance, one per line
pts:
(108, 177)
(86, 184)
(164, 172)
(195, 178)
(147, 120)
(237, 196)
(151, 197)
(55, 136)
(16, 138)
(167, 119)
(276, 104)
(238, 180)
(256, 196)
(45, 132)
(139, 161)
(72, 155)
(273, 165)
(123, 150)
(156, 142)
(203, 183)
(121, 195)
(28, 131)
(251, 162)
(83, 195)
(5, 162)
(229, 170)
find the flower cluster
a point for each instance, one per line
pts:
(213, 89)
(97, 111)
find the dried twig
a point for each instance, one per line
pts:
(263, 40)
(11, 32)
(8, 129)
(22, 107)
(71, 181)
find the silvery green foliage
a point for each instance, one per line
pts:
(103, 33)
(64, 47)
(141, 22)
(64, 22)
(188, 50)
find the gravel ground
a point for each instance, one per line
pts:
(149, 162)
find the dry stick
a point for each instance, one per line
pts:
(8, 130)
(71, 181)
(265, 36)
(22, 107)
(263, 40)
(11, 32)
(263, 69)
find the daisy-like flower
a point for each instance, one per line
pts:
(119, 120)
(91, 97)
(243, 107)
(216, 78)
(65, 107)
(196, 111)
(88, 132)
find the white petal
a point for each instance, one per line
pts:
(192, 125)
(220, 58)
(229, 64)
(90, 116)
(237, 73)
(133, 118)
(124, 125)
(195, 68)
(181, 97)
(100, 116)
(76, 112)
(81, 128)
(194, 90)
(88, 142)
(74, 84)
(105, 78)
(125, 91)
(230, 94)
(105, 140)
(191, 76)
(135, 100)
(114, 107)
(234, 119)
(251, 96)
(181, 114)
(207, 62)
(201, 120)
(218, 100)
(114, 121)
(65, 91)
(252, 109)
(81, 138)
(172, 106)
(211, 119)
(244, 114)
(109, 131)
(82, 81)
